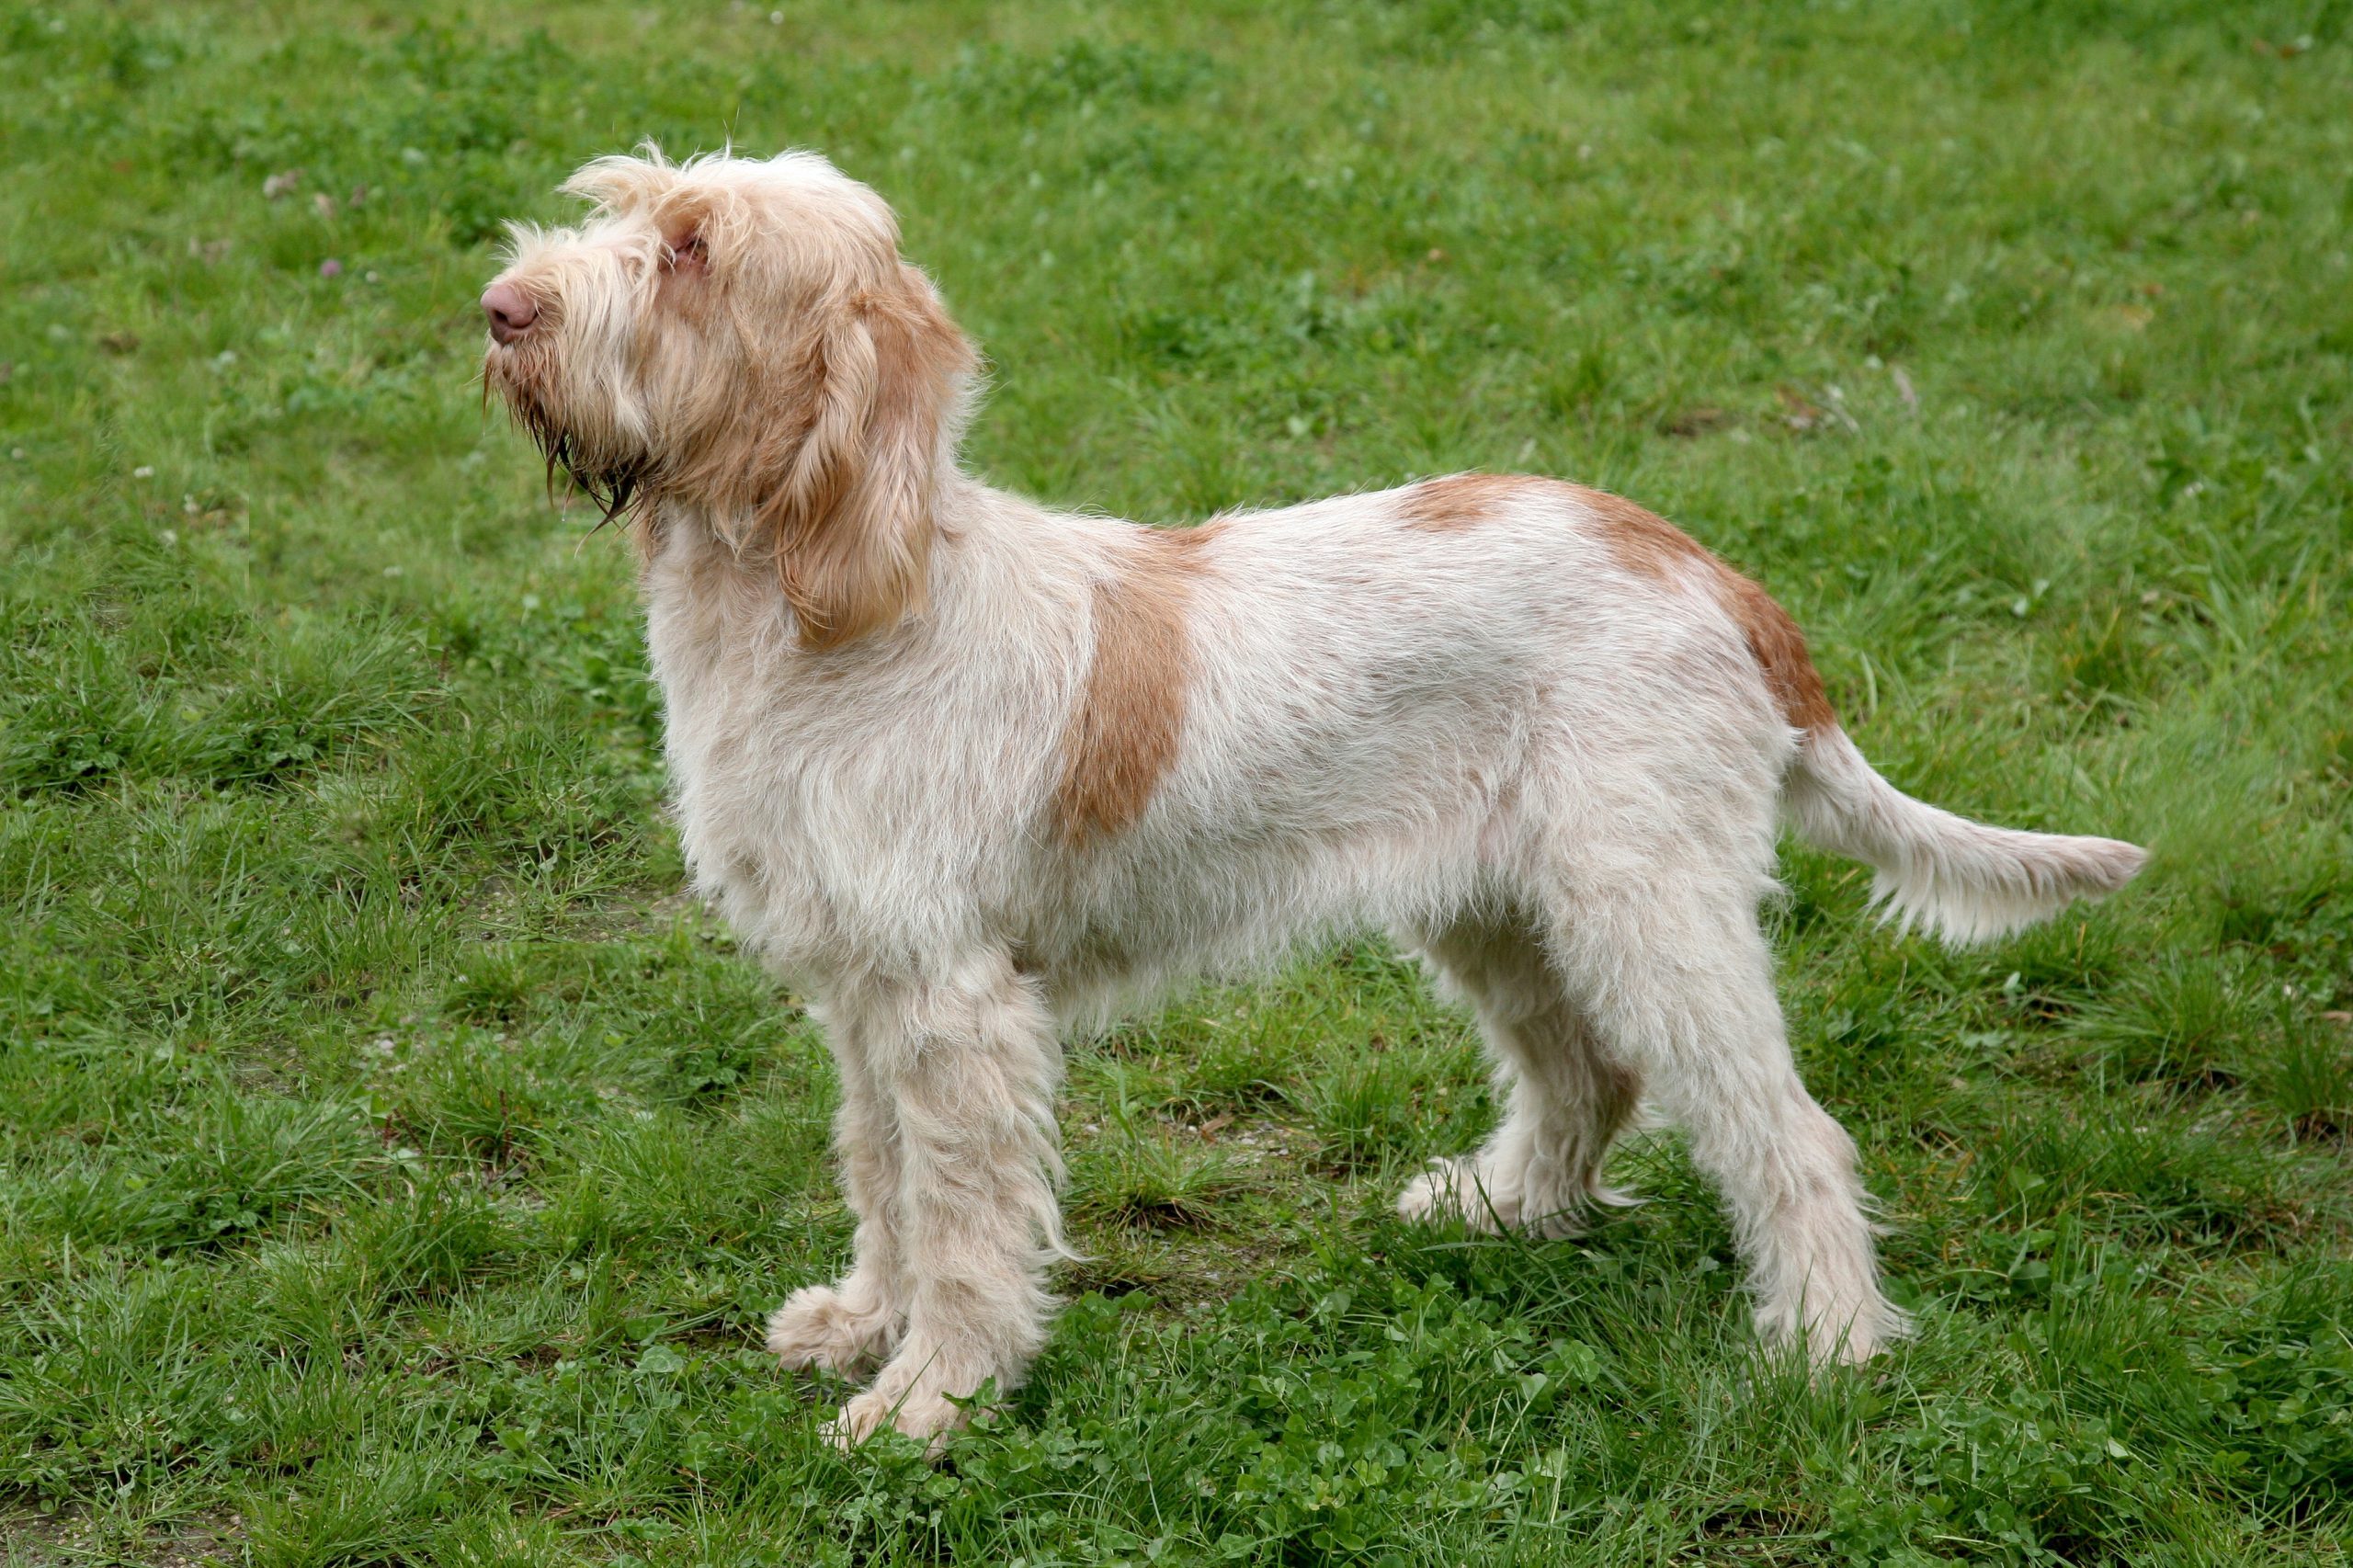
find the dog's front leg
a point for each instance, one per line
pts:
(853, 1323)
(969, 1063)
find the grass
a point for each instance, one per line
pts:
(393, 1169)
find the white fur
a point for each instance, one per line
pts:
(1962, 881)
(1556, 777)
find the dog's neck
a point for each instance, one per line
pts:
(986, 546)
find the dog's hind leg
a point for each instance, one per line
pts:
(969, 1063)
(855, 1321)
(1673, 969)
(1564, 1099)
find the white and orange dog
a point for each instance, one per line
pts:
(968, 771)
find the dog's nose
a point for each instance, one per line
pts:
(510, 311)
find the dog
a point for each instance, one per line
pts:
(970, 773)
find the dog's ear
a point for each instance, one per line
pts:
(852, 517)
(620, 180)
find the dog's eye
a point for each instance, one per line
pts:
(688, 255)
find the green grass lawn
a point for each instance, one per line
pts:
(395, 1168)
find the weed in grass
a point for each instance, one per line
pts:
(1134, 1170)
(2309, 1076)
(1389, 1108)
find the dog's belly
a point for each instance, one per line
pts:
(1170, 905)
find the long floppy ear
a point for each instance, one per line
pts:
(851, 521)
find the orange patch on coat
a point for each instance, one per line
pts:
(1644, 542)
(1460, 500)
(854, 542)
(1130, 720)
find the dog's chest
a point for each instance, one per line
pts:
(852, 797)
(742, 741)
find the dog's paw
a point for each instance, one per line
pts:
(1463, 1191)
(928, 1417)
(820, 1326)
(1453, 1191)
(1833, 1334)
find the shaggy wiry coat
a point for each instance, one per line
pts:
(967, 771)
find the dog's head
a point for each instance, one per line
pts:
(741, 335)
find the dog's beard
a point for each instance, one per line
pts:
(614, 483)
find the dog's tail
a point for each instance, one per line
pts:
(1960, 879)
